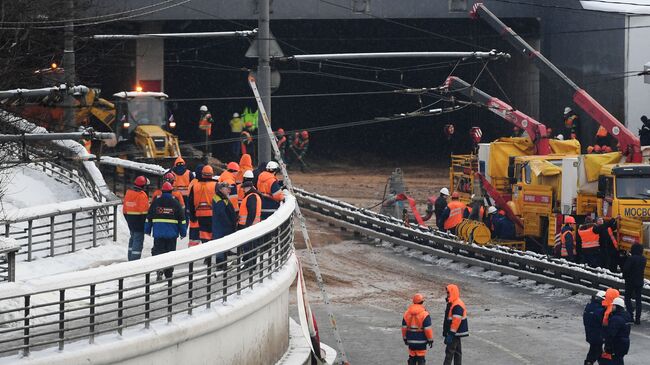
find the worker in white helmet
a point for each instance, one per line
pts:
(440, 205)
(236, 127)
(570, 123)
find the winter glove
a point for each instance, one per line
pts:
(430, 343)
(450, 338)
(406, 342)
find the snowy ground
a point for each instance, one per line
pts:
(511, 321)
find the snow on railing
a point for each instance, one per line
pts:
(78, 306)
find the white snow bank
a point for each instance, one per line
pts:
(27, 187)
(47, 209)
(133, 165)
(618, 6)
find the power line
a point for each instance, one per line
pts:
(291, 96)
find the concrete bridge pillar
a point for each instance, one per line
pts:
(150, 59)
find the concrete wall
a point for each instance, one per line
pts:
(252, 329)
(637, 53)
(150, 58)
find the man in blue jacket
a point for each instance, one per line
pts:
(592, 319)
(224, 218)
(166, 218)
(617, 335)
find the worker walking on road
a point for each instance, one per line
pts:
(592, 318)
(633, 273)
(587, 246)
(236, 127)
(454, 326)
(608, 243)
(617, 335)
(183, 177)
(567, 240)
(135, 207)
(416, 331)
(270, 189)
(224, 218)
(453, 213)
(166, 220)
(250, 213)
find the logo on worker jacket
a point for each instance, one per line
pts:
(164, 211)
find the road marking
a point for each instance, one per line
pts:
(506, 350)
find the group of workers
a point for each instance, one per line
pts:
(450, 211)
(215, 206)
(243, 129)
(417, 332)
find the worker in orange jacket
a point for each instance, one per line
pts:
(230, 176)
(183, 177)
(205, 121)
(270, 189)
(245, 164)
(416, 330)
(135, 208)
(455, 326)
(453, 213)
(200, 206)
(587, 244)
(194, 239)
(169, 177)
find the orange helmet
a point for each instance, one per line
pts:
(602, 132)
(141, 181)
(455, 195)
(569, 220)
(207, 171)
(590, 149)
(304, 134)
(248, 124)
(179, 161)
(169, 177)
(233, 166)
(167, 187)
(280, 132)
(607, 149)
(597, 149)
(418, 298)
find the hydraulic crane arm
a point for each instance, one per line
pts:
(536, 130)
(630, 145)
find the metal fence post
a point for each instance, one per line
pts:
(26, 326)
(169, 300)
(61, 317)
(147, 290)
(52, 236)
(114, 223)
(30, 223)
(92, 313)
(7, 229)
(208, 291)
(120, 304)
(190, 286)
(73, 242)
(94, 227)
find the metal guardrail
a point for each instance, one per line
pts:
(545, 269)
(63, 231)
(127, 295)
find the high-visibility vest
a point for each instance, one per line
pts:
(243, 210)
(456, 209)
(136, 202)
(589, 238)
(265, 182)
(204, 124)
(182, 183)
(203, 194)
(563, 251)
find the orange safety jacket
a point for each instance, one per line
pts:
(589, 238)
(205, 125)
(563, 250)
(246, 140)
(175, 194)
(264, 185)
(203, 194)
(416, 329)
(229, 177)
(456, 209)
(182, 183)
(243, 210)
(136, 202)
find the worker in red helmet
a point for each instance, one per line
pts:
(165, 222)
(135, 207)
(416, 330)
(598, 149)
(282, 141)
(298, 148)
(453, 213)
(567, 249)
(169, 177)
(200, 206)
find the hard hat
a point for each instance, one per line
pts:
(207, 171)
(472, 197)
(607, 149)
(619, 302)
(492, 210)
(248, 124)
(590, 149)
(600, 294)
(169, 177)
(597, 149)
(235, 115)
(502, 212)
(418, 298)
(141, 181)
(444, 191)
(248, 174)
(567, 110)
(179, 161)
(167, 187)
(560, 137)
(569, 220)
(455, 195)
(304, 134)
(203, 108)
(272, 166)
(280, 131)
(233, 166)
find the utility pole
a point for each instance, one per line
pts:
(264, 78)
(69, 66)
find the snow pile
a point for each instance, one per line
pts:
(27, 188)
(618, 6)
(8, 244)
(133, 165)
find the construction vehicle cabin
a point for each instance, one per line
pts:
(537, 180)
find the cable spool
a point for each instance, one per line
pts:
(473, 231)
